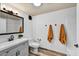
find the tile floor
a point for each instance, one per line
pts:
(45, 52)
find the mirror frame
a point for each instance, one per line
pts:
(14, 16)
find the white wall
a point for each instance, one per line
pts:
(0, 5)
(27, 23)
(77, 51)
(66, 17)
(78, 23)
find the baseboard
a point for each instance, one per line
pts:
(63, 54)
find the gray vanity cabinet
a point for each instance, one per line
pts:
(18, 50)
(11, 52)
(3, 53)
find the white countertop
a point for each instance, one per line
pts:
(6, 45)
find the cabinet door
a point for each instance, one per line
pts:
(3, 53)
(27, 48)
(22, 49)
(11, 52)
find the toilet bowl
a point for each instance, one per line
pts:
(35, 45)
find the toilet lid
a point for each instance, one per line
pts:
(34, 44)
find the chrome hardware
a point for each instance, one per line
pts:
(17, 53)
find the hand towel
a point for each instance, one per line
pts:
(50, 33)
(62, 38)
(21, 29)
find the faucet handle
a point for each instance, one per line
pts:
(12, 36)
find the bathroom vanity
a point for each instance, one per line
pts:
(12, 23)
(18, 47)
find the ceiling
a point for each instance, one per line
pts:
(29, 8)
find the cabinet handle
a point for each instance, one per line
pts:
(18, 53)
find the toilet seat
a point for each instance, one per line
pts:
(34, 44)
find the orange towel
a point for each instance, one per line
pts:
(50, 33)
(21, 29)
(62, 38)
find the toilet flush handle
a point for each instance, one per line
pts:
(39, 39)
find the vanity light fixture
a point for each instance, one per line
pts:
(37, 4)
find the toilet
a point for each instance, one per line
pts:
(35, 45)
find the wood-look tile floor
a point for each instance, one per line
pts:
(37, 54)
(43, 52)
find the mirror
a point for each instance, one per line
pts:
(11, 24)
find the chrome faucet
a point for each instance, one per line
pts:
(11, 38)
